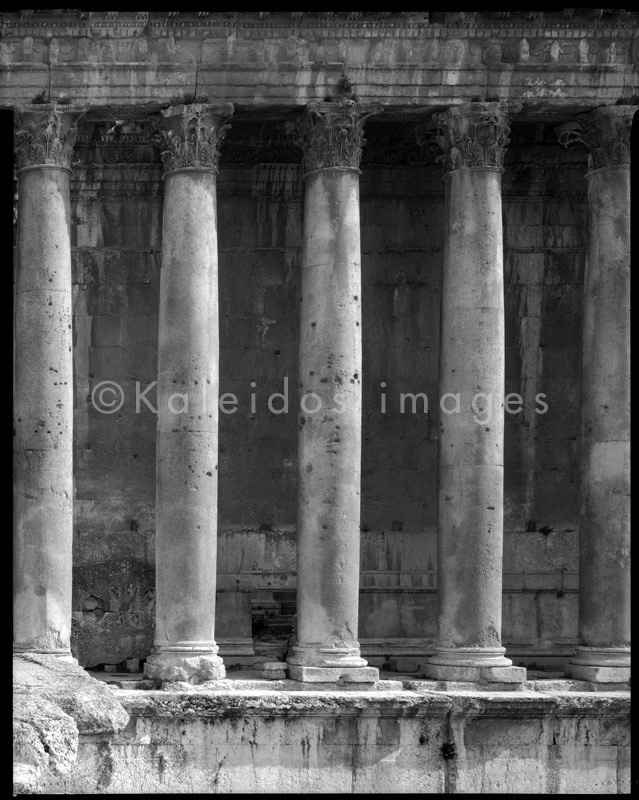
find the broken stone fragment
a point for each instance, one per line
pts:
(55, 700)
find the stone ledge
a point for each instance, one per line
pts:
(272, 741)
(242, 682)
(239, 698)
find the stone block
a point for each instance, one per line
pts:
(172, 667)
(274, 670)
(503, 674)
(55, 700)
(583, 672)
(333, 674)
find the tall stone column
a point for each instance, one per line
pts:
(43, 381)
(603, 654)
(187, 400)
(472, 363)
(330, 427)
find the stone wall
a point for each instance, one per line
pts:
(353, 741)
(116, 237)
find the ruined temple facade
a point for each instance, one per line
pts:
(224, 220)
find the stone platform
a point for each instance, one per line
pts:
(404, 734)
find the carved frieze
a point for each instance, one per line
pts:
(475, 134)
(193, 135)
(46, 134)
(113, 611)
(331, 133)
(605, 132)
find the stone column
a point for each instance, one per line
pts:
(472, 363)
(187, 400)
(330, 427)
(603, 654)
(43, 381)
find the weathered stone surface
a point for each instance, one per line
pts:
(374, 742)
(55, 701)
(44, 736)
(404, 57)
(309, 674)
(90, 703)
(169, 666)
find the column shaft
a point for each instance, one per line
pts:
(187, 397)
(330, 361)
(604, 534)
(330, 421)
(471, 454)
(470, 537)
(43, 383)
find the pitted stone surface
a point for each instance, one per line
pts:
(89, 702)
(169, 667)
(54, 702)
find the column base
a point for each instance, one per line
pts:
(476, 674)
(473, 664)
(314, 655)
(313, 663)
(189, 666)
(333, 674)
(600, 665)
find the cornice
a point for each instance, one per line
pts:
(455, 24)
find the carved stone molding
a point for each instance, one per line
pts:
(193, 135)
(331, 133)
(475, 134)
(46, 134)
(605, 132)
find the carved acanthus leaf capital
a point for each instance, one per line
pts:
(475, 134)
(331, 133)
(193, 135)
(606, 133)
(45, 134)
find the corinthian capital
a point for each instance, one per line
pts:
(193, 135)
(475, 134)
(331, 133)
(45, 134)
(606, 133)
